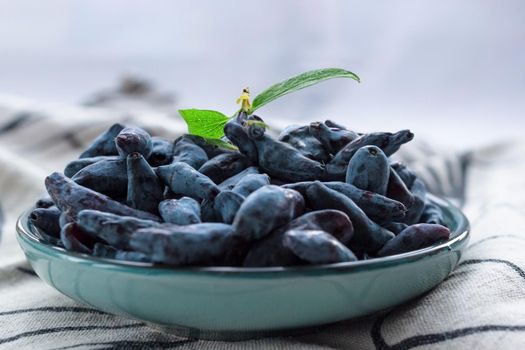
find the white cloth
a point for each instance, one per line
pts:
(481, 305)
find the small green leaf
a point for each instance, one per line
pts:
(205, 123)
(299, 82)
(221, 144)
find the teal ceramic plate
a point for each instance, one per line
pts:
(240, 303)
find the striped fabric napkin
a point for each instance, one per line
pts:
(481, 305)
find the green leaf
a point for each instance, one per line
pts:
(299, 82)
(221, 144)
(205, 123)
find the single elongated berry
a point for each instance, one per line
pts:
(317, 247)
(368, 236)
(266, 209)
(331, 124)
(300, 138)
(198, 244)
(374, 205)
(270, 251)
(111, 228)
(398, 190)
(145, 190)
(46, 219)
(280, 160)
(76, 165)
(406, 175)
(183, 211)
(332, 139)
(432, 214)
(104, 144)
(72, 197)
(225, 166)
(415, 237)
(186, 151)
(161, 151)
(388, 142)
(133, 139)
(236, 133)
(226, 205)
(108, 176)
(181, 178)
(414, 213)
(229, 183)
(369, 170)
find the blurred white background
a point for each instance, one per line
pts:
(452, 71)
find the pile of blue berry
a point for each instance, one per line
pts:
(318, 194)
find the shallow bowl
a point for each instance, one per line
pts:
(232, 303)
